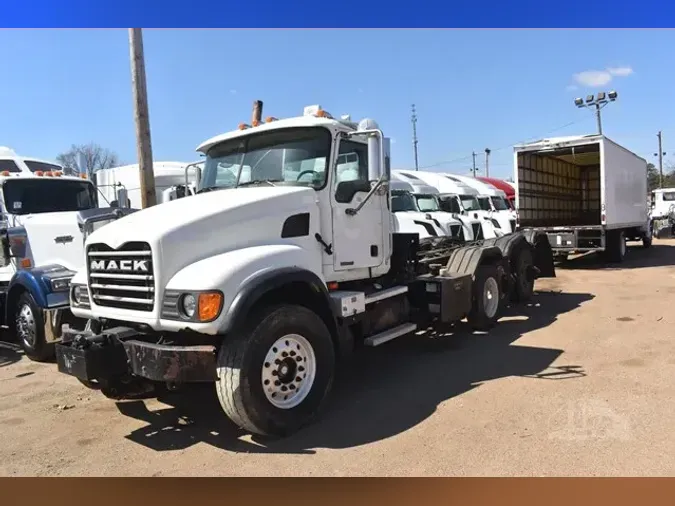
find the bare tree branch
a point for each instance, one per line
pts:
(94, 156)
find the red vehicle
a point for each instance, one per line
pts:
(503, 186)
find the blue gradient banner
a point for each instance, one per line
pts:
(342, 14)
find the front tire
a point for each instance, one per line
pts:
(487, 298)
(29, 328)
(274, 376)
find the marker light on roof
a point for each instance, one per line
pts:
(49, 174)
(243, 126)
(269, 119)
(83, 176)
(255, 123)
(5, 173)
(38, 173)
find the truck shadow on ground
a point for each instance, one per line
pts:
(637, 257)
(10, 353)
(381, 393)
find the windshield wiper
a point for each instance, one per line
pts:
(268, 181)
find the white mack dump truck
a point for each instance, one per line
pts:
(260, 287)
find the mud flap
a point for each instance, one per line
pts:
(543, 253)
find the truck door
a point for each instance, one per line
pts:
(358, 240)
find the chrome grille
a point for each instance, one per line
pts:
(121, 278)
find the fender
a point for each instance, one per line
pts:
(38, 282)
(265, 282)
(236, 272)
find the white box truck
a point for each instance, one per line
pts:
(587, 193)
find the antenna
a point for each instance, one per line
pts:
(413, 119)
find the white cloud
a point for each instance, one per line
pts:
(620, 71)
(233, 91)
(572, 87)
(597, 78)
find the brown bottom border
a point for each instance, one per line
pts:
(336, 491)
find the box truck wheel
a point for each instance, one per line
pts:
(616, 246)
(274, 375)
(487, 297)
(524, 275)
(29, 327)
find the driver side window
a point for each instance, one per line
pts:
(351, 171)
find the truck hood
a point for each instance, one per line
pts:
(189, 229)
(54, 238)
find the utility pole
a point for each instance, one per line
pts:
(473, 155)
(414, 126)
(487, 162)
(142, 118)
(660, 155)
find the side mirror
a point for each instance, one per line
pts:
(4, 246)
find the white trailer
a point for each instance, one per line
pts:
(170, 183)
(587, 193)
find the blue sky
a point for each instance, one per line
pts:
(472, 88)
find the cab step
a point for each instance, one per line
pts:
(388, 335)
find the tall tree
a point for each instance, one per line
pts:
(94, 157)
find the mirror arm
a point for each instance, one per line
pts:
(351, 211)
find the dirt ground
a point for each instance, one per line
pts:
(581, 382)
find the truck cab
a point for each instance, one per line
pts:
(283, 264)
(406, 203)
(457, 199)
(492, 201)
(42, 244)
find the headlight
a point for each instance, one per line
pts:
(79, 295)
(188, 305)
(60, 284)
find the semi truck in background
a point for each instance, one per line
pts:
(45, 217)
(287, 273)
(492, 200)
(171, 183)
(502, 185)
(587, 193)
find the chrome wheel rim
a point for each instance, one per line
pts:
(490, 297)
(288, 371)
(25, 325)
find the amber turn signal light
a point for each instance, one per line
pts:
(210, 304)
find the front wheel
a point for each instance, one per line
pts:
(487, 298)
(274, 376)
(29, 327)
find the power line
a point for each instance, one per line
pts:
(468, 157)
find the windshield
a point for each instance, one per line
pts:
(499, 204)
(37, 195)
(484, 203)
(402, 201)
(469, 203)
(293, 156)
(427, 203)
(450, 204)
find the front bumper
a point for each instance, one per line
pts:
(123, 352)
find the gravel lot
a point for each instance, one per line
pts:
(581, 382)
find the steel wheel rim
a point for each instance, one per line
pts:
(25, 325)
(490, 297)
(288, 371)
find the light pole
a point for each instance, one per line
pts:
(599, 101)
(660, 154)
